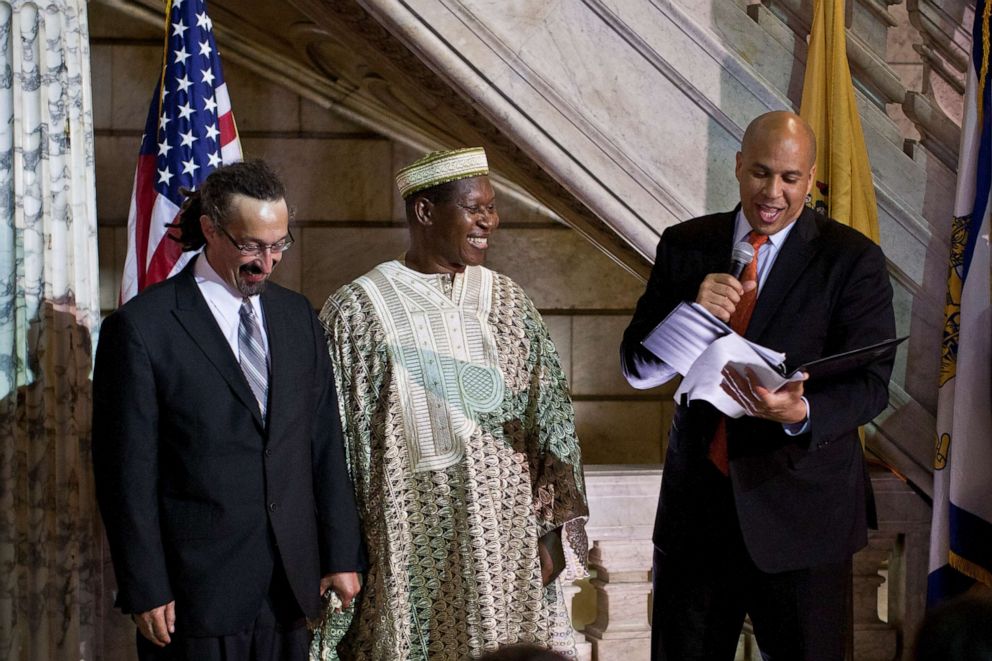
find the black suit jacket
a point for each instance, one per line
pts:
(801, 501)
(199, 499)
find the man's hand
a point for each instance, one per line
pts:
(720, 293)
(784, 405)
(157, 624)
(344, 584)
(552, 556)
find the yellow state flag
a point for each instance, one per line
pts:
(844, 189)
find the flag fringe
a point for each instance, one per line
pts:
(970, 569)
(983, 69)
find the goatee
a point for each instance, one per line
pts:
(248, 289)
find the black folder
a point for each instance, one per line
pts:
(847, 361)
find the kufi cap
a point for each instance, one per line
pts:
(440, 167)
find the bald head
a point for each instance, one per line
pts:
(777, 125)
(775, 168)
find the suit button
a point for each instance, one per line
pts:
(272, 507)
(268, 452)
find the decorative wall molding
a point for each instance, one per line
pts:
(905, 419)
(939, 133)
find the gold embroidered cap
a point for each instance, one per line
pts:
(440, 167)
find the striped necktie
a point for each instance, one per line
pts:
(738, 322)
(252, 355)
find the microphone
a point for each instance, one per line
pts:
(742, 256)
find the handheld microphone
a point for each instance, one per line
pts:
(742, 256)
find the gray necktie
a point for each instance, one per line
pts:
(252, 350)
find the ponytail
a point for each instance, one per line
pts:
(190, 233)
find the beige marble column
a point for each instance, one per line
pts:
(621, 519)
(583, 648)
(622, 629)
(874, 640)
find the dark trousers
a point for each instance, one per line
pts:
(700, 601)
(279, 633)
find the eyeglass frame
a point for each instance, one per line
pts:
(261, 248)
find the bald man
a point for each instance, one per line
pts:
(760, 515)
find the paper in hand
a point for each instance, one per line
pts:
(684, 335)
(703, 379)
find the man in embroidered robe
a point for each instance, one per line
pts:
(460, 438)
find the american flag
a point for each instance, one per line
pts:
(189, 132)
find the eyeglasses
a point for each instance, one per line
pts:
(253, 249)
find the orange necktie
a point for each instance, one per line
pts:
(738, 322)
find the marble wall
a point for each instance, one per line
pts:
(349, 217)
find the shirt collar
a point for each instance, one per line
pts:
(219, 293)
(742, 228)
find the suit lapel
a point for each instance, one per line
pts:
(722, 244)
(281, 354)
(792, 260)
(193, 313)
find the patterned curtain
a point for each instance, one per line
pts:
(49, 307)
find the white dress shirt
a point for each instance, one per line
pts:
(225, 304)
(768, 252)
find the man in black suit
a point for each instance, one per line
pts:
(760, 515)
(217, 447)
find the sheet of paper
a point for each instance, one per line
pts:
(684, 335)
(771, 356)
(703, 379)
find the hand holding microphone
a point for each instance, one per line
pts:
(720, 293)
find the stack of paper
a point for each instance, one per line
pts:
(698, 345)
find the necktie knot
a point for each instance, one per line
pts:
(757, 240)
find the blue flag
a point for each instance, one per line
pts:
(961, 530)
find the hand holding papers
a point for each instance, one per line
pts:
(703, 379)
(698, 346)
(684, 335)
